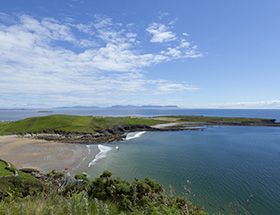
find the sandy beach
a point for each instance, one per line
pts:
(44, 155)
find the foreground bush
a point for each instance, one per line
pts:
(103, 195)
(78, 204)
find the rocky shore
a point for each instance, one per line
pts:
(118, 133)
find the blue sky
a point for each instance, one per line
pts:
(192, 53)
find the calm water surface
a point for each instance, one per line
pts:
(227, 169)
(24, 113)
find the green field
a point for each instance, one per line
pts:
(69, 123)
(90, 124)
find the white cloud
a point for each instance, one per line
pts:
(44, 61)
(167, 87)
(254, 104)
(160, 33)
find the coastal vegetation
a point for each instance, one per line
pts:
(16, 184)
(69, 123)
(91, 124)
(28, 191)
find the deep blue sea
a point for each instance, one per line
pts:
(234, 170)
(24, 113)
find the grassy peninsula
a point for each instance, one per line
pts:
(70, 123)
(28, 191)
(90, 129)
(91, 124)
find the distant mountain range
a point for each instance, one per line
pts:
(145, 106)
(96, 107)
(125, 107)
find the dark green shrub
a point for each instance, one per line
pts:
(82, 177)
(56, 175)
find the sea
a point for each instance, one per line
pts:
(227, 169)
(16, 114)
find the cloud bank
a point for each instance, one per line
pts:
(44, 61)
(254, 104)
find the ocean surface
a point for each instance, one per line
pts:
(234, 170)
(16, 114)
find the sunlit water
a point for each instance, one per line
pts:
(226, 169)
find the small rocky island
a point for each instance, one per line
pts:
(91, 130)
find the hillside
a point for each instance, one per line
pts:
(17, 183)
(31, 192)
(69, 123)
(91, 125)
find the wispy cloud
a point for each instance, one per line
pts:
(261, 104)
(254, 104)
(48, 61)
(160, 33)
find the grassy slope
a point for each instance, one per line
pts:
(11, 185)
(3, 170)
(89, 124)
(86, 124)
(25, 194)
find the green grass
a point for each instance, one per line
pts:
(89, 124)
(3, 170)
(68, 123)
(80, 204)
(17, 186)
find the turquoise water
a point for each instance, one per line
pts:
(227, 169)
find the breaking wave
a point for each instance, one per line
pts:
(133, 135)
(103, 150)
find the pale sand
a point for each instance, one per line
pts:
(44, 155)
(167, 125)
(179, 124)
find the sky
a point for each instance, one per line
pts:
(190, 53)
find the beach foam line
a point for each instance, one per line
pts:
(133, 135)
(88, 147)
(103, 150)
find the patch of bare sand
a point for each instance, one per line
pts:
(43, 155)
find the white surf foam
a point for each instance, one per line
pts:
(133, 135)
(103, 150)
(88, 147)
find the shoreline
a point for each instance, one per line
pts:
(119, 133)
(71, 151)
(95, 130)
(43, 155)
